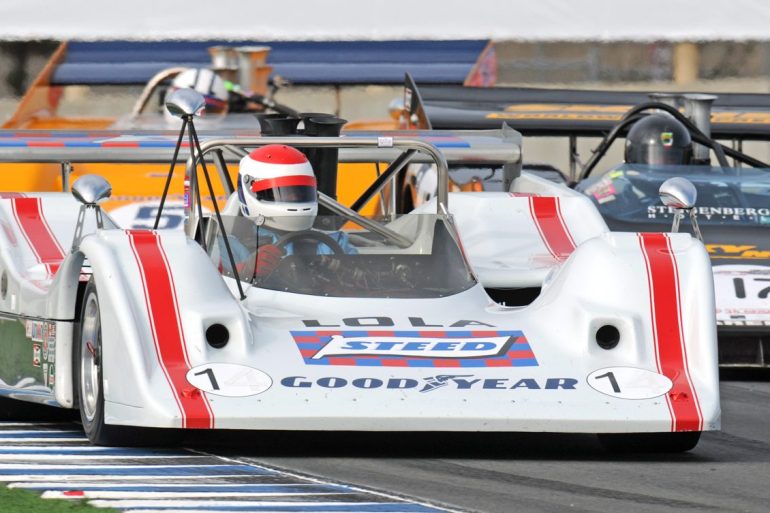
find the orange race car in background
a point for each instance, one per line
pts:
(99, 73)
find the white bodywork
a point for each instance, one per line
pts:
(160, 291)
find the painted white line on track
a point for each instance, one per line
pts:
(262, 510)
(64, 468)
(78, 494)
(51, 432)
(79, 457)
(119, 485)
(83, 448)
(343, 506)
(4, 425)
(288, 473)
(32, 478)
(42, 439)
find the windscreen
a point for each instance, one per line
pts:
(731, 196)
(409, 256)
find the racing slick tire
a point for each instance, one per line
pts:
(649, 442)
(87, 355)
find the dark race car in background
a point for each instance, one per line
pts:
(733, 204)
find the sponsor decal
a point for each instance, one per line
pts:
(757, 215)
(431, 383)
(743, 323)
(413, 348)
(603, 191)
(51, 376)
(51, 358)
(385, 322)
(36, 359)
(742, 251)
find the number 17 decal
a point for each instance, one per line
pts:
(740, 287)
(629, 383)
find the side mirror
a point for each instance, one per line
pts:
(90, 189)
(680, 194)
(185, 102)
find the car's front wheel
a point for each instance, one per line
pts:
(88, 362)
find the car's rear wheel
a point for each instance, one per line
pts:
(650, 442)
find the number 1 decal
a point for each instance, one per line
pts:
(611, 377)
(212, 378)
(229, 379)
(629, 383)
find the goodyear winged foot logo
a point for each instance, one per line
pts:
(376, 348)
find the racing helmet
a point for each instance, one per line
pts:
(205, 82)
(276, 182)
(658, 139)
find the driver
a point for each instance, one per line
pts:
(658, 140)
(277, 190)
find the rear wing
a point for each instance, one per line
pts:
(567, 112)
(493, 147)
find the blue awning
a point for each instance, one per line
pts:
(308, 62)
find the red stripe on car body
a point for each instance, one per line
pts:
(28, 213)
(668, 332)
(546, 212)
(166, 327)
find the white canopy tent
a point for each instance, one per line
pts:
(509, 20)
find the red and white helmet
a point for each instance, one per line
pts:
(278, 183)
(207, 83)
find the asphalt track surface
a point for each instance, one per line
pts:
(505, 473)
(728, 470)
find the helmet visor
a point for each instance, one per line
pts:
(286, 189)
(656, 155)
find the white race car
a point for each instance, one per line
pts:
(510, 311)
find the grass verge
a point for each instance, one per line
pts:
(25, 501)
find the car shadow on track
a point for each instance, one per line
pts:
(518, 446)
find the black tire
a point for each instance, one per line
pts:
(649, 442)
(87, 360)
(90, 390)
